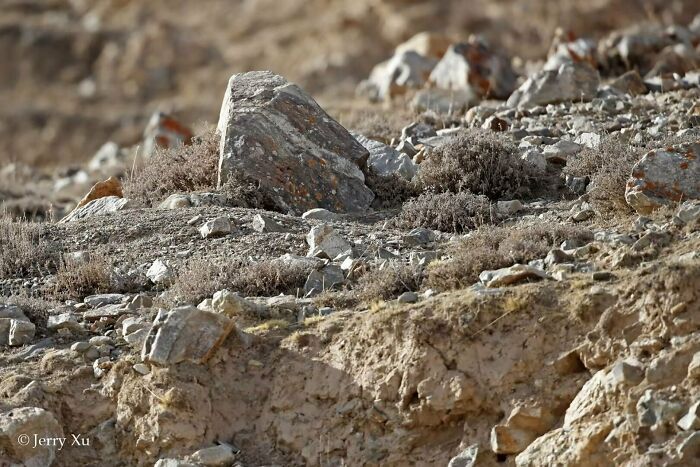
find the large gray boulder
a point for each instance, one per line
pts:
(276, 134)
(185, 333)
(571, 82)
(664, 177)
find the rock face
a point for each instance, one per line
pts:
(275, 133)
(571, 82)
(472, 66)
(15, 327)
(663, 177)
(29, 422)
(185, 333)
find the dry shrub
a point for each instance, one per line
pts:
(608, 167)
(23, 251)
(448, 212)
(388, 282)
(78, 279)
(182, 169)
(478, 161)
(492, 247)
(200, 279)
(244, 192)
(390, 192)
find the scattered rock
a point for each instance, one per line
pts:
(320, 214)
(98, 207)
(408, 297)
(216, 227)
(185, 334)
(466, 458)
(265, 224)
(160, 272)
(570, 83)
(663, 177)
(387, 161)
(222, 455)
(511, 275)
(324, 242)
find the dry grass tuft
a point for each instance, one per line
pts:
(492, 247)
(78, 279)
(23, 251)
(448, 212)
(182, 169)
(477, 161)
(388, 282)
(390, 192)
(608, 167)
(201, 278)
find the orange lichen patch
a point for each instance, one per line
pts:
(110, 187)
(684, 165)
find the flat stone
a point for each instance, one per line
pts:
(275, 133)
(320, 214)
(95, 301)
(67, 321)
(185, 334)
(98, 207)
(216, 227)
(511, 275)
(107, 311)
(691, 420)
(215, 456)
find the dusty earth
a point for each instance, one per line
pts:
(178, 323)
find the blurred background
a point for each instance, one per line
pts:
(77, 73)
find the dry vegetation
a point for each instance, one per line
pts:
(492, 247)
(390, 192)
(477, 161)
(608, 167)
(200, 279)
(78, 279)
(448, 212)
(22, 249)
(182, 169)
(388, 282)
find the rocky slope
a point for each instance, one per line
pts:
(500, 266)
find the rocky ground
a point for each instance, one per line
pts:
(496, 263)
